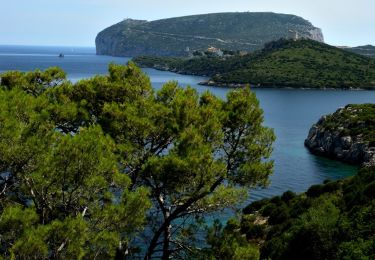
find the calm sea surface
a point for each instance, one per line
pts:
(289, 112)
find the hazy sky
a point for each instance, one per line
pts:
(76, 22)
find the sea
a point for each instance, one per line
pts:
(290, 112)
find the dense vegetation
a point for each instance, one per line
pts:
(354, 120)
(107, 167)
(181, 36)
(283, 63)
(334, 220)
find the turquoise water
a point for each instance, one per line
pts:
(289, 112)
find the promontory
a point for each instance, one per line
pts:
(347, 135)
(181, 36)
(301, 63)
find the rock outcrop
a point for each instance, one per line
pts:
(183, 35)
(346, 135)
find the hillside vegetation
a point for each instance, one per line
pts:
(330, 221)
(354, 120)
(282, 63)
(181, 36)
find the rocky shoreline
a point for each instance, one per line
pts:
(211, 83)
(331, 137)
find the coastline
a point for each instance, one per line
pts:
(211, 83)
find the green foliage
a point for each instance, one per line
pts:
(61, 191)
(288, 196)
(59, 239)
(353, 120)
(284, 63)
(75, 176)
(227, 243)
(34, 82)
(252, 230)
(330, 221)
(95, 162)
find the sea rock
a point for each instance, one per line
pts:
(329, 138)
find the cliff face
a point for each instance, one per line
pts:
(347, 135)
(111, 40)
(182, 35)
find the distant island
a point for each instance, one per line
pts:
(181, 36)
(284, 63)
(366, 50)
(347, 135)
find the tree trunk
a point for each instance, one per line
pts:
(167, 238)
(174, 215)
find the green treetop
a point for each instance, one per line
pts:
(89, 157)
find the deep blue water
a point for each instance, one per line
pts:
(289, 112)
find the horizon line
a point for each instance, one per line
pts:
(47, 45)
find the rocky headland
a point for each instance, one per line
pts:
(347, 135)
(181, 36)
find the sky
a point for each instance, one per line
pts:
(77, 22)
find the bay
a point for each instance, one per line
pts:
(289, 112)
